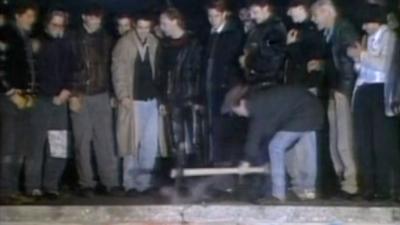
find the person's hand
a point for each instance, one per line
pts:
(35, 45)
(113, 102)
(242, 61)
(243, 166)
(18, 99)
(126, 102)
(75, 104)
(315, 65)
(292, 36)
(163, 110)
(198, 107)
(355, 51)
(62, 98)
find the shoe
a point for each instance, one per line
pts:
(306, 195)
(16, 199)
(346, 196)
(115, 192)
(150, 191)
(132, 193)
(86, 192)
(35, 193)
(52, 195)
(368, 196)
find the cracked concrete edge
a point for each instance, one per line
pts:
(199, 214)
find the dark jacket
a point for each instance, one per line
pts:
(57, 64)
(18, 68)
(280, 108)
(179, 70)
(339, 66)
(222, 69)
(265, 50)
(309, 46)
(94, 55)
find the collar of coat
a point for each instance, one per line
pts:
(142, 47)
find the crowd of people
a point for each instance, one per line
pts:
(259, 91)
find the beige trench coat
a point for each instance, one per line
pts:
(123, 73)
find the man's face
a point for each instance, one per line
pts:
(370, 28)
(216, 18)
(320, 17)
(124, 25)
(259, 14)
(92, 22)
(56, 26)
(298, 14)
(143, 28)
(26, 19)
(167, 25)
(244, 15)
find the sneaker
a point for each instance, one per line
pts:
(306, 195)
(52, 195)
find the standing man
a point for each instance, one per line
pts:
(225, 44)
(264, 51)
(17, 84)
(124, 24)
(133, 70)
(56, 66)
(179, 79)
(375, 105)
(304, 43)
(90, 105)
(280, 117)
(339, 35)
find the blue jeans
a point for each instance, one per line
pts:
(281, 143)
(138, 170)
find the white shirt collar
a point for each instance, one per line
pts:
(219, 29)
(377, 35)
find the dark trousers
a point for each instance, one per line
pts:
(376, 138)
(15, 133)
(43, 170)
(227, 138)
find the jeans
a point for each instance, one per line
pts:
(282, 142)
(41, 166)
(15, 144)
(92, 125)
(138, 170)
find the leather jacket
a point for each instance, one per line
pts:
(265, 52)
(94, 57)
(340, 67)
(179, 71)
